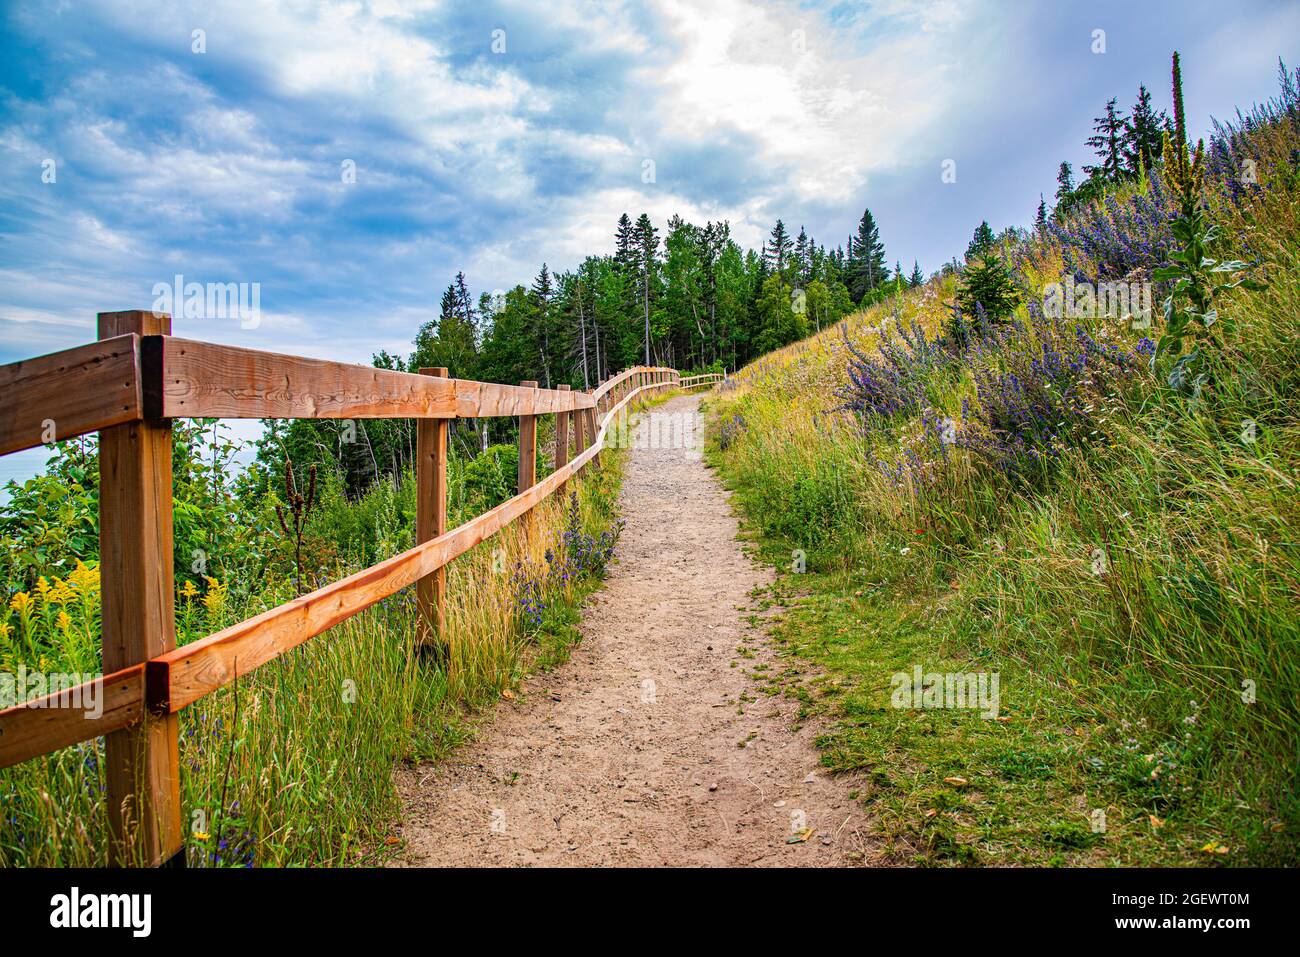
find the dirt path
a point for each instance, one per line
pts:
(650, 747)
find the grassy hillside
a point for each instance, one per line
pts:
(1029, 498)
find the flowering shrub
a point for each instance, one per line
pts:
(925, 455)
(1119, 236)
(585, 554)
(893, 382)
(1050, 389)
(731, 429)
(577, 555)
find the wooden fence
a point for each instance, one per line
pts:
(709, 378)
(128, 386)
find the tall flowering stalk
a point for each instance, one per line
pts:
(1190, 337)
(295, 522)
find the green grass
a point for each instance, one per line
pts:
(292, 766)
(1163, 691)
(950, 787)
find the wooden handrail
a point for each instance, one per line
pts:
(706, 378)
(203, 380)
(139, 381)
(62, 719)
(69, 393)
(599, 393)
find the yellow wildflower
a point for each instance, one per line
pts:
(42, 586)
(63, 622)
(215, 599)
(188, 590)
(84, 578)
(20, 602)
(5, 629)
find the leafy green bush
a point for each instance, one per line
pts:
(492, 477)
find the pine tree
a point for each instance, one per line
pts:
(916, 278)
(1143, 134)
(623, 241)
(1064, 183)
(646, 242)
(986, 285)
(541, 295)
(802, 258)
(778, 247)
(1108, 143)
(866, 267)
(981, 242)
(1040, 219)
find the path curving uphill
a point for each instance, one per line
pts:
(650, 747)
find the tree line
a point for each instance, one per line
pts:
(686, 296)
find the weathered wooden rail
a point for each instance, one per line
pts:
(128, 386)
(709, 378)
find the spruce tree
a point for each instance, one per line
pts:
(916, 278)
(541, 295)
(981, 242)
(803, 253)
(1143, 139)
(778, 247)
(866, 267)
(1040, 219)
(987, 284)
(1107, 142)
(1064, 183)
(646, 242)
(465, 306)
(623, 242)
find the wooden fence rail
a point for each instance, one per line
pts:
(128, 386)
(708, 378)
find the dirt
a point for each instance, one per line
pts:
(651, 746)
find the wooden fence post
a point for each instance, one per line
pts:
(430, 522)
(527, 446)
(137, 588)
(581, 434)
(562, 442)
(593, 430)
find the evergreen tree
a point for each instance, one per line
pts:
(541, 295)
(1143, 139)
(916, 278)
(987, 286)
(1040, 219)
(866, 267)
(1064, 183)
(777, 250)
(624, 243)
(981, 242)
(1107, 142)
(802, 258)
(712, 240)
(448, 341)
(646, 242)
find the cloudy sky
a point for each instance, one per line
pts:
(488, 137)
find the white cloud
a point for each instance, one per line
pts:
(821, 107)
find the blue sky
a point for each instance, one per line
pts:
(226, 165)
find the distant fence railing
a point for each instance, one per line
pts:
(708, 378)
(128, 386)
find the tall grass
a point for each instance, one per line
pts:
(1151, 576)
(292, 765)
